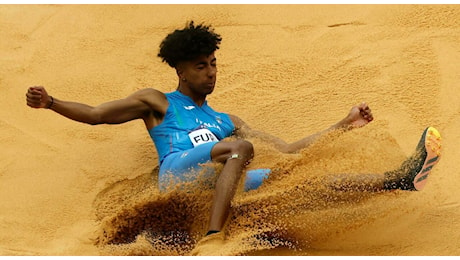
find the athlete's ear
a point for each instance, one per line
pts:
(180, 70)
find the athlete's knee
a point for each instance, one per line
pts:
(242, 149)
(239, 149)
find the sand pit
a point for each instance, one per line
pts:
(74, 189)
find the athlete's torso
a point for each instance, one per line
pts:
(186, 125)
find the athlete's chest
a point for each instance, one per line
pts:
(201, 123)
(191, 116)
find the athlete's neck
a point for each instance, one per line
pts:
(198, 99)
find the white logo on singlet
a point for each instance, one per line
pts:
(189, 107)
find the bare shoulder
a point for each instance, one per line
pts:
(155, 99)
(149, 93)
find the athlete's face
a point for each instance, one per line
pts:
(199, 75)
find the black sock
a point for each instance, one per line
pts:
(210, 232)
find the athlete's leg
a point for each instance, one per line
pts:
(235, 156)
(185, 166)
(255, 178)
(412, 174)
(358, 182)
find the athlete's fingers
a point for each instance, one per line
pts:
(34, 97)
(364, 106)
(38, 88)
(33, 103)
(368, 115)
(366, 112)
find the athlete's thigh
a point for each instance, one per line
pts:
(185, 166)
(181, 162)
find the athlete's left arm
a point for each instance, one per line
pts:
(243, 130)
(359, 116)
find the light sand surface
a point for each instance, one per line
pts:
(72, 189)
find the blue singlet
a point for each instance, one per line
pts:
(186, 136)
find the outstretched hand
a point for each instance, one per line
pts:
(359, 116)
(37, 97)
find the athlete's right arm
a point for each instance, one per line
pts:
(140, 105)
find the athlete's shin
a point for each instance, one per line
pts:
(227, 184)
(357, 182)
(225, 189)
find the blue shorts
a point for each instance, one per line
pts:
(186, 166)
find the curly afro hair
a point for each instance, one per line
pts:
(188, 44)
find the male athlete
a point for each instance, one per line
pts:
(187, 132)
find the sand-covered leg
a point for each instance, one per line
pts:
(413, 173)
